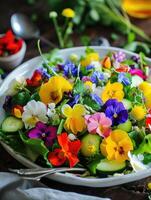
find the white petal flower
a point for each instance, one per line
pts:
(16, 83)
(34, 111)
(51, 110)
(136, 162)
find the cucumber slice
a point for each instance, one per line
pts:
(110, 166)
(12, 124)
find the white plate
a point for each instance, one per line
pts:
(26, 69)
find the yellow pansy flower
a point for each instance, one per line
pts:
(116, 146)
(52, 91)
(138, 112)
(113, 91)
(146, 89)
(68, 12)
(93, 56)
(75, 121)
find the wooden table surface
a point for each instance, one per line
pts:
(136, 190)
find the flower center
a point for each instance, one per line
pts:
(121, 150)
(61, 155)
(115, 115)
(32, 120)
(43, 135)
(54, 95)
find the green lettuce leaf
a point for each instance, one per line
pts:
(145, 146)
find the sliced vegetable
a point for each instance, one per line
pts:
(110, 166)
(12, 124)
(90, 145)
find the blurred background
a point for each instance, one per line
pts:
(125, 23)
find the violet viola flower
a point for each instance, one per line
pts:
(97, 76)
(69, 68)
(119, 56)
(44, 73)
(115, 111)
(137, 72)
(122, 78)
(97, 99)
(47, 133)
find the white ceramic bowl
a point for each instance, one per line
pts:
(26, 70)
(10, 62)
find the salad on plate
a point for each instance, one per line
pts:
(89, 111)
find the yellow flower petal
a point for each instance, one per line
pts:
(116, 146)
(52, 91)
(113, 91)
(68, 12)
(66, 110)
(78, 110)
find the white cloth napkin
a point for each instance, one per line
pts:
(12, 187)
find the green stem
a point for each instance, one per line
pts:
(119, 18)
(60, 128)
(59, 35)
(44, 60)
(67, 32)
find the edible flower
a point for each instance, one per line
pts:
(53, 90)
(41, 131)
(113, 91)
(17, 111)
(137, 72)
(138, 112)
(122, 78)
(145, 87)
(68, 12)
(106, 63)
(90, 57)
(98, 123)
(68, 151)
(35, 80)
(115, 111)
(97, 76)
(75, 118)
(69, 69)
(119, 56)
(34, 111)
(116, 146)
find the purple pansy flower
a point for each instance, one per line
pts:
(69, 68)
(115, 111)
(97, 76)
(122, 78)
(47, 133)
(119, 56)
